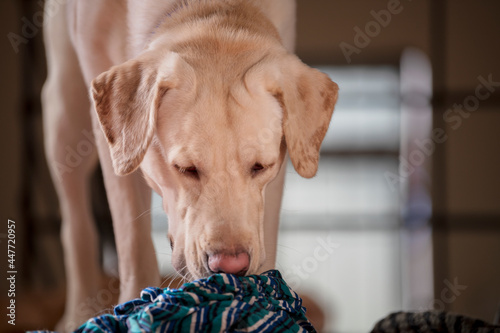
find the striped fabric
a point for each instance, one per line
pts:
(220, 303)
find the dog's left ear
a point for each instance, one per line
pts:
(127, 98)
(307, 98)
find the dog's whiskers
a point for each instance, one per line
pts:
(148, 211)
(167, 278)
(281, 248)
(172, 279)
(187, 276)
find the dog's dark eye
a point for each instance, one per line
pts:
(257, 167)
(171, 243)
(190, 171)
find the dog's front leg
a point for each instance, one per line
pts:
(71, 159)
(129, 200)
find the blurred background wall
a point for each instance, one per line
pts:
(459, 37)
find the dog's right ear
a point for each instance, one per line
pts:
(127, 98)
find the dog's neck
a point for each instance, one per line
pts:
(143, 19)
(168, 14)
(171, 15)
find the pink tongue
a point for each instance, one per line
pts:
(231, 264)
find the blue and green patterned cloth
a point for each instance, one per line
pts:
(219, 303)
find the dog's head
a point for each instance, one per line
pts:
(209, 133)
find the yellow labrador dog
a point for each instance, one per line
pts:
(200, 100)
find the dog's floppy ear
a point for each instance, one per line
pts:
(126, 99)
(307, 97)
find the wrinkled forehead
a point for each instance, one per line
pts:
(257, 123)
(254, 115)
(235, 121)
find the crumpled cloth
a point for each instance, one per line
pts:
(432, 321)
(219, 303)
